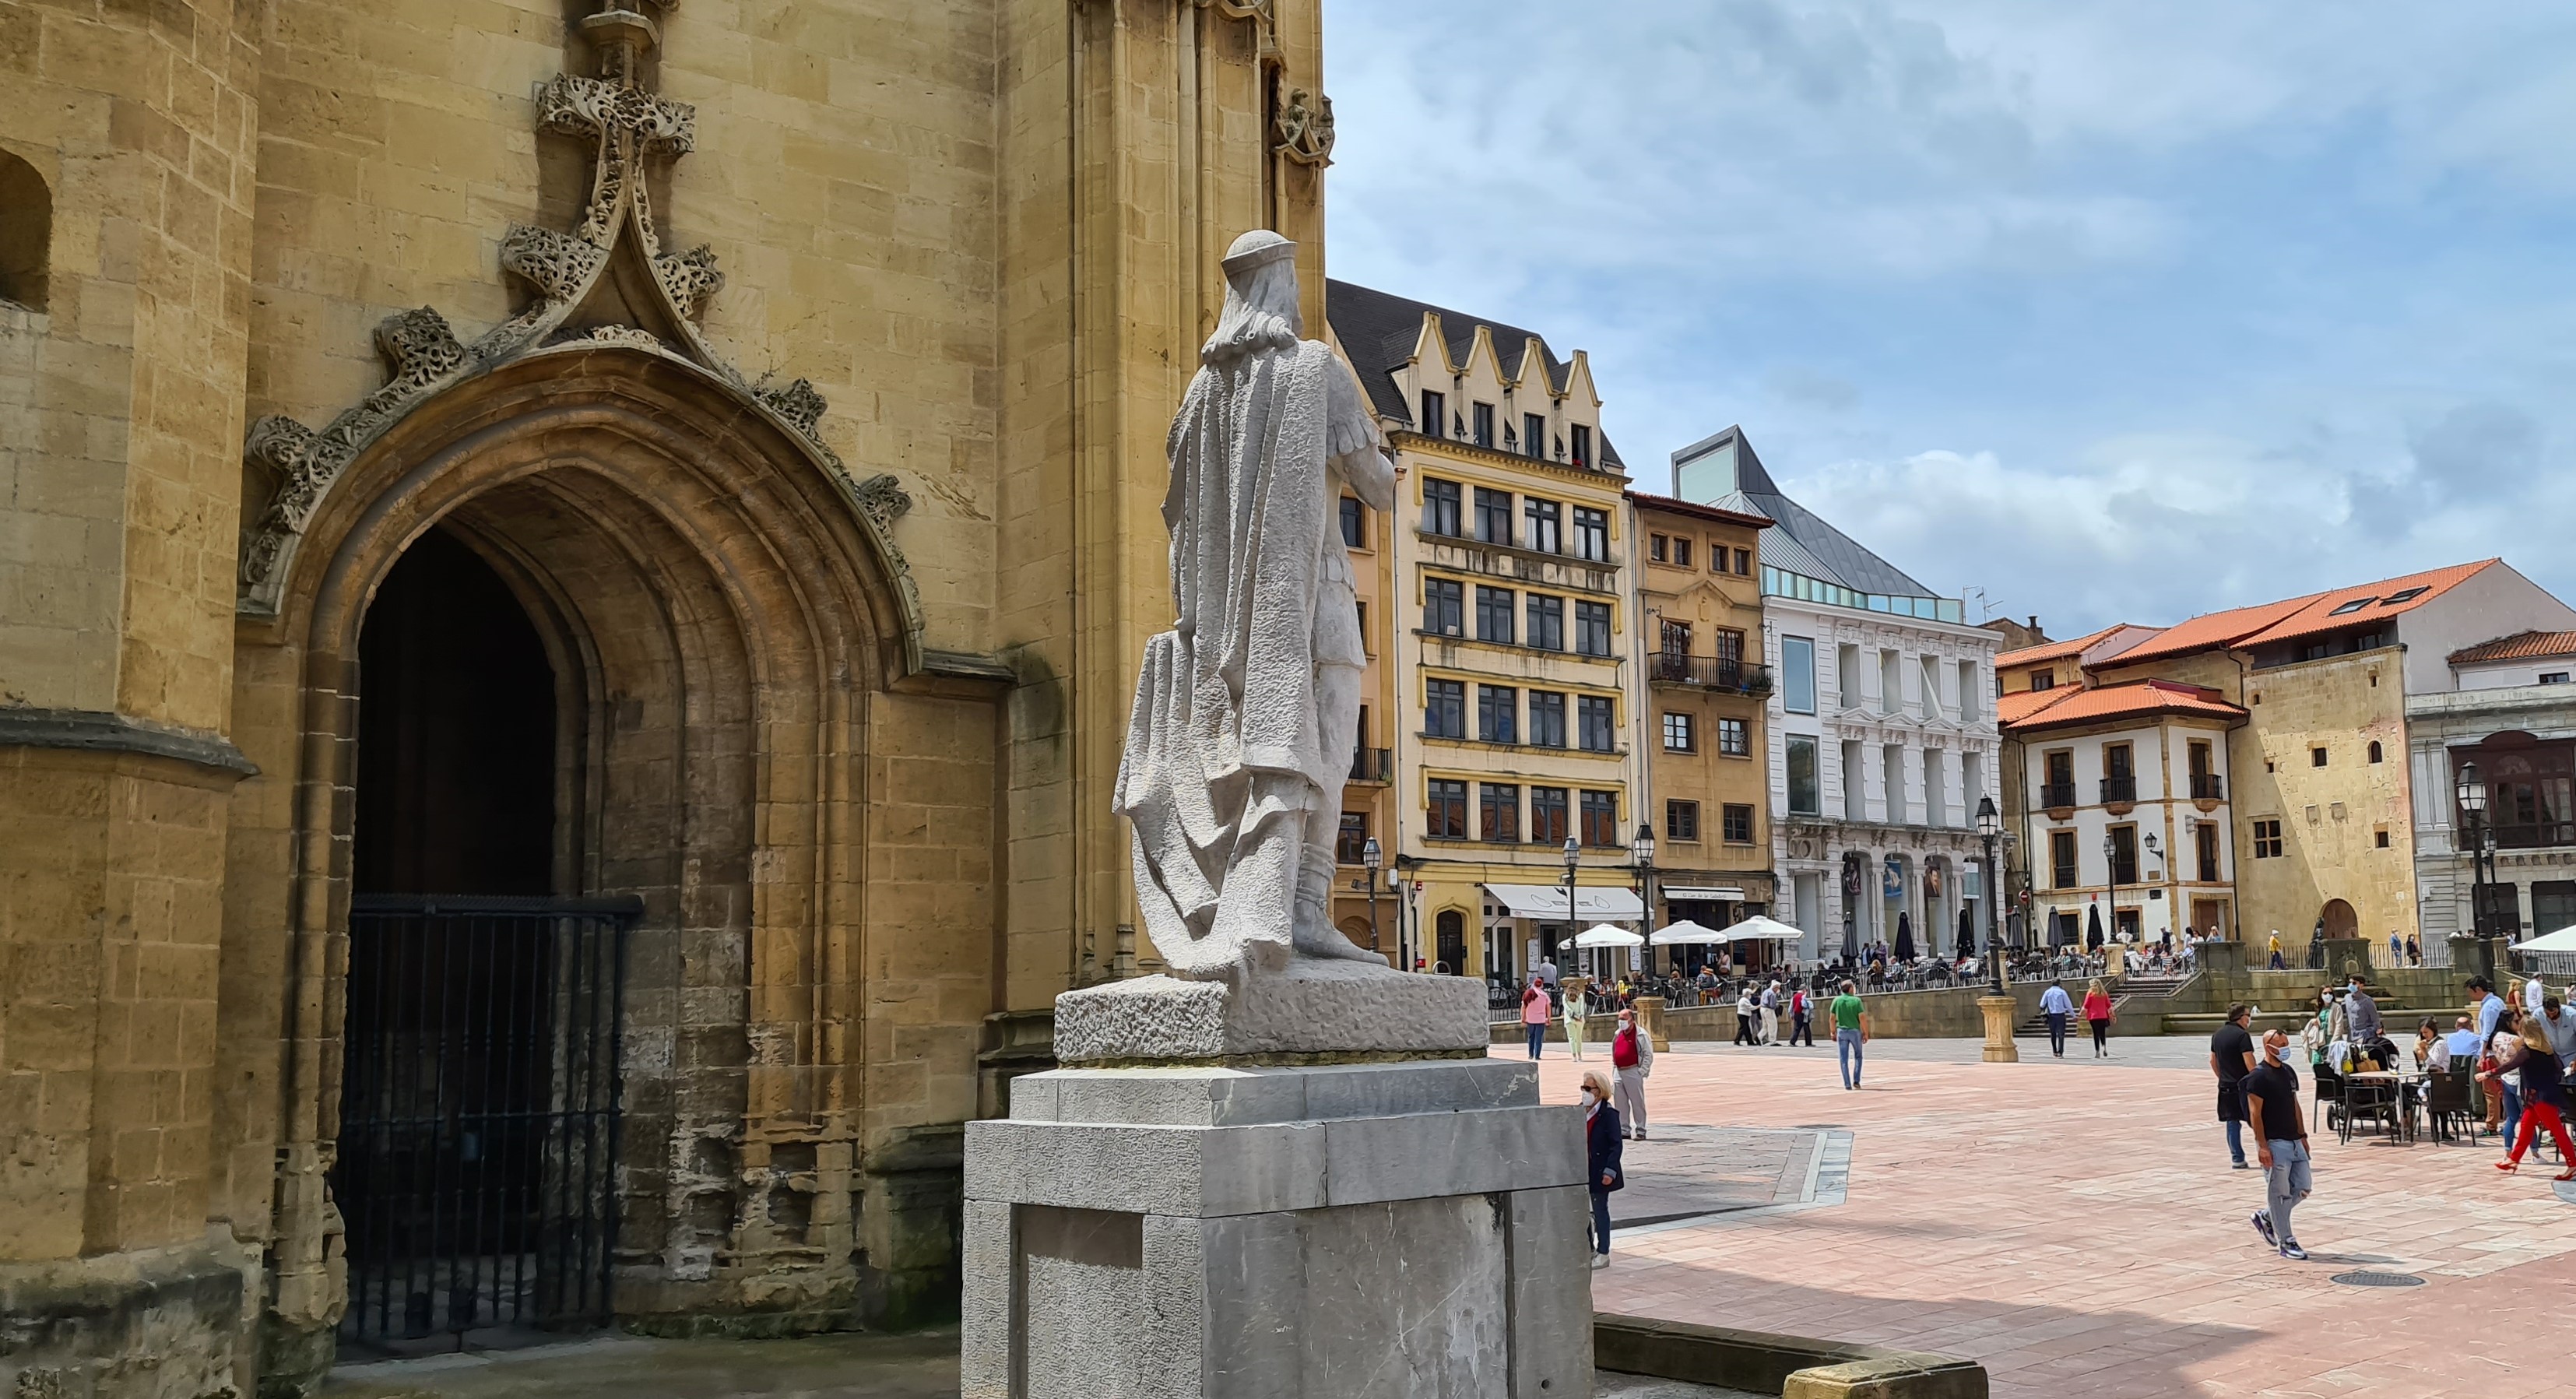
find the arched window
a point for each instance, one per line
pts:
(26, 232)
(2374, 750)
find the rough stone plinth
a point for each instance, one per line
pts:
(1313, 1008)
(1390, 1229)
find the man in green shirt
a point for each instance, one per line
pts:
(1851, 1031)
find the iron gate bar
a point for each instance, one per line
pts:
(479, 1177)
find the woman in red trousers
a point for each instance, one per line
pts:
(2544, 1097)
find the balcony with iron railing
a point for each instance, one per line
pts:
(1373, 765)
(2206, 787)
(2120, 791)
(1708, 673)
(2535, 835)
(2057, 796)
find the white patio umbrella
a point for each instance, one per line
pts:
(1604, 935)
(2564, 940)
(1685, 931)
(1761, 929)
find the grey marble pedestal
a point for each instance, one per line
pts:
(1408, 1229)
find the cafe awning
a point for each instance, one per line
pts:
(1546, 902)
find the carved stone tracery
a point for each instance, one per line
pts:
(625, 125)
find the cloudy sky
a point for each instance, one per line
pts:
(2108, 311)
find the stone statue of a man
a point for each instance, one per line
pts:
(1247, 711)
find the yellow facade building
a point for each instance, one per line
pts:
(1708, 787)
(1512, 630)
(620, 533)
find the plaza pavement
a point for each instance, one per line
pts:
(2074, 1225)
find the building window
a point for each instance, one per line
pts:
(1582, 439)
(2062, 873)
(1592, 628)
(2316, 757)
(1498, 811)
(2204, 841)
(1533, 435)
(1658, 547)
(1744, 562)
(2553, 677)
(2267, 840)
(26, 230)
(1798, 674)
(1681, 552)
(1730, 648)
(1547, 815)
(1440, 507)
(1494, 614)
(1444, 606)
(1735, 738)
(2124, 854)
(1493, 516)
(1445, 816)
(1351, 846)
(1547, 719)
(1354, 524)
(1480, 419)
(1674, 639)
(2382, 835)
(2375, 754)
(1546, 622)
(1969, 689)
(1595, 729)
(1677, 733)
(1805, 799)
(1739, 823)
(1681, 820)
(1591, 534)
(1544, 522)
(1444, 709)
(1498, 709)
(2043, 679)
(1717, 558)
(1435, 414)
(1600, 818)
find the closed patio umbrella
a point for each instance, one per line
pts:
(1967, 935)
(2093, 929)
(1905, 937)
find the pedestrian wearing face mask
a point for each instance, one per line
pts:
(1604, 1148)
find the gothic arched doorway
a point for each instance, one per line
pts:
(2339, 919)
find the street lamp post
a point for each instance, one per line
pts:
(1997, 1005)
(1573, 857)
(1642, 848)
(2111, 867)
(2472, 792)
(1373, 859)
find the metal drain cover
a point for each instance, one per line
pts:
(2366, 1278)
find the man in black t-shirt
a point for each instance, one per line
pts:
(2281, 1136)
(2231, 1057)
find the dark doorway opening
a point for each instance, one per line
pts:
(479, 1091)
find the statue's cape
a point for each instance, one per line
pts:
(1261, 601)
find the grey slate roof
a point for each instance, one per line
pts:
(1800, 540)
(1378, 330)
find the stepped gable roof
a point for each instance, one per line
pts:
(2054, 650)
(1378, 330)
(1701, 512)
(2145, 699)
(2292, 618)
(1801, 540)
(2521, 646)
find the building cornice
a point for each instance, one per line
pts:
(1405, 439)
(98, 731)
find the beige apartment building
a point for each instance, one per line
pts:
(618, 531)
(1511, 628)
(1699, 636)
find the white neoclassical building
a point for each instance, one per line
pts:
(1882, 726)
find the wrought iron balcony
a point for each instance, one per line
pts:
(1708, 672)
(2057, 794)
(2206, 787)
(2119, 789)
(1373, 765)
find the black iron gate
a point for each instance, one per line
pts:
(479, 1113)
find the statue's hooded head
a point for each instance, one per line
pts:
(1260, 299)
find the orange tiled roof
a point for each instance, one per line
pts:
(2295, 617)
(2053, 650)
(2521, 646)
(2143, 699)
(2018, 705)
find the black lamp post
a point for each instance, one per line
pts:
(2472, 792)
(2111, 869)
(1573, 857)
(1990, 828)
(1372, 859)
(1642, 847)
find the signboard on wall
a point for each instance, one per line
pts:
(1892, 880)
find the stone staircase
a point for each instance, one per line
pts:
(2133, 988)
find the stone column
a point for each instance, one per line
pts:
(1650, 1014)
